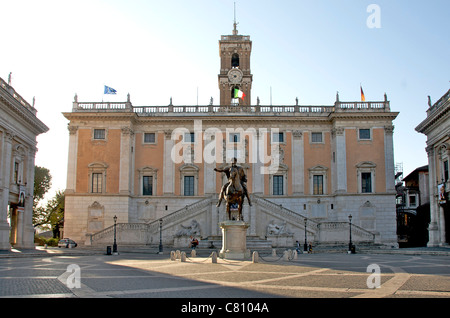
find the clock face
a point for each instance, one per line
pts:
(235, 76)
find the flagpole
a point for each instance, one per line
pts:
(270, 95)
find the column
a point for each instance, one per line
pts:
(298, 163)
(169, 165)
(4, 189)
(433, 229)
(27, 239)
(442, 239)
(72, 160)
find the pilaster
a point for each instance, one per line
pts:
(126, 161)
(169, 165)
(4, 190)
(389, 158)
(433, 227)
(298, 163)
(340, 158)
(72, 159)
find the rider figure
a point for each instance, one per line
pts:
(242, 177)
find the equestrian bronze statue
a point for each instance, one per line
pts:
(235, 190)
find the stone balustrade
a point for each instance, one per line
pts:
(260, 110)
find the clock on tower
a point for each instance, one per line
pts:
(235, 73)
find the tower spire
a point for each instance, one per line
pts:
(235, 31)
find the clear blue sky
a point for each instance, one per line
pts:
(155, 50)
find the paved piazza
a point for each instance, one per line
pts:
(333, 275)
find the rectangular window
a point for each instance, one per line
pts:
(317, 184)
(446, 171)
(235, 137)
(366, 182)
(149, 138)
(364, 134)
(16, 172)
(147, 185)
(97, 179)
(189, 137)
(189, 185)
(277, 185)
(316, 137)
(99, 134)
(412, 201)
(278, 137)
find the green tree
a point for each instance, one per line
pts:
(52, 214)
(42, 183)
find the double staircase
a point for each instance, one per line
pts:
(319, 233)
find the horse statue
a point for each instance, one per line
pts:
(234, 195)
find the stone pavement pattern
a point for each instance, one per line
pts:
(151, 275)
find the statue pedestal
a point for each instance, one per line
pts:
(234, 240)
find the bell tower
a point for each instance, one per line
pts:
(235, 75)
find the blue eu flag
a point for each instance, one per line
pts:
(109, 90)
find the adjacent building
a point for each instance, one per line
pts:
(413, 208)
(19, 128)
(437, 129)
(308, 167)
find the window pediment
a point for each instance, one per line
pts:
(318, 168)
(98, 165)
(187, 167)
(366, 165)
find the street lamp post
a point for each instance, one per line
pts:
(350, 244)
(115, 242)
(160, 236)
(305, 246)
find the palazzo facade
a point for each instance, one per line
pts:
(19, 128)
(437, 129)
(308, 167)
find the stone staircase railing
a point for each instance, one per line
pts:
(153, 226)
(287, 214)
(340, 232)
(120, 227)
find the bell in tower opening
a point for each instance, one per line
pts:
(235, 60)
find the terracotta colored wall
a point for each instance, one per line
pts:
(317, 154)
(90, 151)
(149, 155)
(365, 150)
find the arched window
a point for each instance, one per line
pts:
(235, 60)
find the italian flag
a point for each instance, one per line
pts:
(239, 94)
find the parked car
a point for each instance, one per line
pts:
(66, 242)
